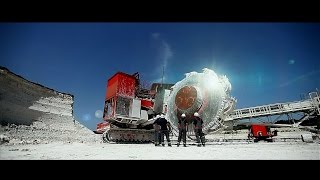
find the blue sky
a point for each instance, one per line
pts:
(265, 62)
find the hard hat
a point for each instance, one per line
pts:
(196, 114)
(183, 115)
(162, 116)
(157, 116)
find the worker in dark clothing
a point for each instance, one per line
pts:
(165, 128)
(183, 128)
(156, 127)
(198, 122)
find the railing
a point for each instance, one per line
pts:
(278, 108)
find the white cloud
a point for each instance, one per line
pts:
(159, 80)
(299, 78)
(165, 53)
(155, 35)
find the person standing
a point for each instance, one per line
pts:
(198, 123)
(165, 128)
(156, 127)
(183, 128)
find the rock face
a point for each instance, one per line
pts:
(31, 112)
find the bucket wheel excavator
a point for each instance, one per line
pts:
(129, 109)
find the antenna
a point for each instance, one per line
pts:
(162, 75)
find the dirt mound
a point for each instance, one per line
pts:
(32, 113)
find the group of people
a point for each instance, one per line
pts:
(162, 128)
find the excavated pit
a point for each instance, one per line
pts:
(32, 113)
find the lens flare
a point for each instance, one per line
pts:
(98, 114)
(86, 117)
(291, 61)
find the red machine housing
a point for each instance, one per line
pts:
(147, 103)
(120, 86)
(260, 132)
(126, 101)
